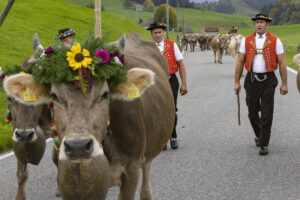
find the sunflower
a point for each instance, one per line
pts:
(78, 58)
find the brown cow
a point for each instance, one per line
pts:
(31, 125)
(90, 160)
(218, 46)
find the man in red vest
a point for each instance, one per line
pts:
(261, 53)
(174, 60)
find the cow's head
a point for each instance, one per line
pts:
(26, 104)
(222, 41)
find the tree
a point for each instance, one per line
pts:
(128, 4)
(160, 15)
(149, 5)
(5, 11)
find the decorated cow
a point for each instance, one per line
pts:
(30, 117)
(110, 120)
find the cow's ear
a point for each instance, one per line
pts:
(137, 82)
(23, 88)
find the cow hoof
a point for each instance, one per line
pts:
(174, 143)
(58, 194)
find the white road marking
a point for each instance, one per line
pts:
(292, 70)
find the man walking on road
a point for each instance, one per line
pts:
(261, 53)
(174, 59)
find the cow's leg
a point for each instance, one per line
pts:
(146, 192)
(129, 182)
(22, 174)
(215, 56)
(55, 161)
(221, 54)
(219, 57)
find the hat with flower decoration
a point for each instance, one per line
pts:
(66, 32)
(261, 17)
(157, 25)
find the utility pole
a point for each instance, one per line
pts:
(203, 19)
(182, 24)
(98, 18)
(177, 21)
(5, 11)
(168, 19)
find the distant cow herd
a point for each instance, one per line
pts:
(221, 43)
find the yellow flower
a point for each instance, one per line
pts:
(78, 58)
(21, 72)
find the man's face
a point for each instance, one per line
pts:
(157, 34)
(260, 26)
(68, 41)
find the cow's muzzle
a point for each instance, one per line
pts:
(27, 135)
(78, 148)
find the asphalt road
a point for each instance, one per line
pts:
(216, 159)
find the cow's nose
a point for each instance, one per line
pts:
(24, 136)
(78, 148)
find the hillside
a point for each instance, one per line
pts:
(193, 18)
(46, 17)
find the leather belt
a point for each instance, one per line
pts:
(170, 75)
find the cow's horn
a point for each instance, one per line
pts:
(36, 43)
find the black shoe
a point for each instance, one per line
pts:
(263, 151)
(174, 143)
(165, 148)
(257, 141)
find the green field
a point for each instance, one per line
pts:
(46, 17)
(289, 36)
(241, 8)
(193, 18)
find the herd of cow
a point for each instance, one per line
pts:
(221, 43)
(90, 159)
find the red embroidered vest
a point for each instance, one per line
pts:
(170, 56)
(269, 52)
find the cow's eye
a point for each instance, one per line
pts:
(105, 95)
(53, 97)
(9, 100)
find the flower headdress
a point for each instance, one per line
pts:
(82, 65)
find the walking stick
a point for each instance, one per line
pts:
(239, 108)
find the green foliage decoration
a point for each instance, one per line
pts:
(54, 67)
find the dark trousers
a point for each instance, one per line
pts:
(260, 97)
(175, 87)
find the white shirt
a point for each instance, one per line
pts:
(259, 65)
(177, 52)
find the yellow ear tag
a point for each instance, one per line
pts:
(28, 95)
(133, 91)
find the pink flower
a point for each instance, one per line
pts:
(103, 55)
(49, 50)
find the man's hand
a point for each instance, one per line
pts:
(237, 88)
(183, 89)
(283, 89)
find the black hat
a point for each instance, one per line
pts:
(157, 25)
(261, 17)
(66, 32)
